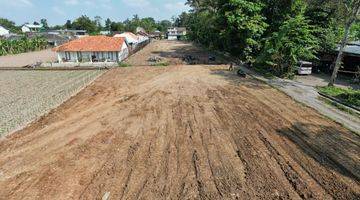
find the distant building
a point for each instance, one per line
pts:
(350, 61)
(130, 38)
(156, 34)
(105, 32)
(30, 28)
(73, 33)
(4, 31)
(53, 38)
(135, 42)
(93, 49)
(175, 33)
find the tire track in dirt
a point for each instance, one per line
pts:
(180, 132)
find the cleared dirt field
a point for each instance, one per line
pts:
(26, 95)
(180, 132)
(171, 52)
(23, 59)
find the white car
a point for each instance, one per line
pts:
(304, 68)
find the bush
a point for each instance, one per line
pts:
(22, 45)
(123, 64)
(349, 96)
(161, 64)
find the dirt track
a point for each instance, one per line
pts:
(180, 132)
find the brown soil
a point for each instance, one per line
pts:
(180, 132)
(23, 59)
(173, 53)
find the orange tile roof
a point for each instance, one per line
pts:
(93, 43)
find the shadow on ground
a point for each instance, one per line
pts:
(332, 148)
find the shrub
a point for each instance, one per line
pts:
(349, 96)
(159, 64)
(123, 64)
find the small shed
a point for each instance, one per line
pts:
(351, 58)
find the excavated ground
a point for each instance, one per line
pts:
(180, 132)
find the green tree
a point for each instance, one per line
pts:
(353, 11)
(85, 23)
(44, 23)
(244, 27)
(97, 21)
(10, 25)
(108, 24)
(293, 42)
(68, 24)
(163, 25)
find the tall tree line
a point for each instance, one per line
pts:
(97, 24)
(272, 34)
(94, 26)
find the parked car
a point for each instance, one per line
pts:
(304, 68)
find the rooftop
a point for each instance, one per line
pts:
(352, 48)
(33, 26)
(93, 43)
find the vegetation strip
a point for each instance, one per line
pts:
(348, 106)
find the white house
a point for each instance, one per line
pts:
(93, 49)
(175, 33)
(4, 31)
(130, 38)
(26, 28)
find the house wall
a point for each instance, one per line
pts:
(25, 29)
(112, 56)
(124, 53)
(3, 31)
(172, 37)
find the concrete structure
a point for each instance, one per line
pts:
(175, 33)
(93, 49)
(73, 33)
(130, 38)
(105, 32)
(350, 61)
(4, 31)
(29, 28)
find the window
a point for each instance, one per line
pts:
(67, 56)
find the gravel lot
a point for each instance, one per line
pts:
(26, 95)
(20, 60)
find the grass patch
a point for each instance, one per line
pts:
(339, 106)
(348, 96)
(161, 64)
(123, 64)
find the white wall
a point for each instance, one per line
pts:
(124, 53)
(3, 31)
(170, 37)
(112, 56)
(25, 29)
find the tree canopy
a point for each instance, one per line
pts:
(273, 34)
